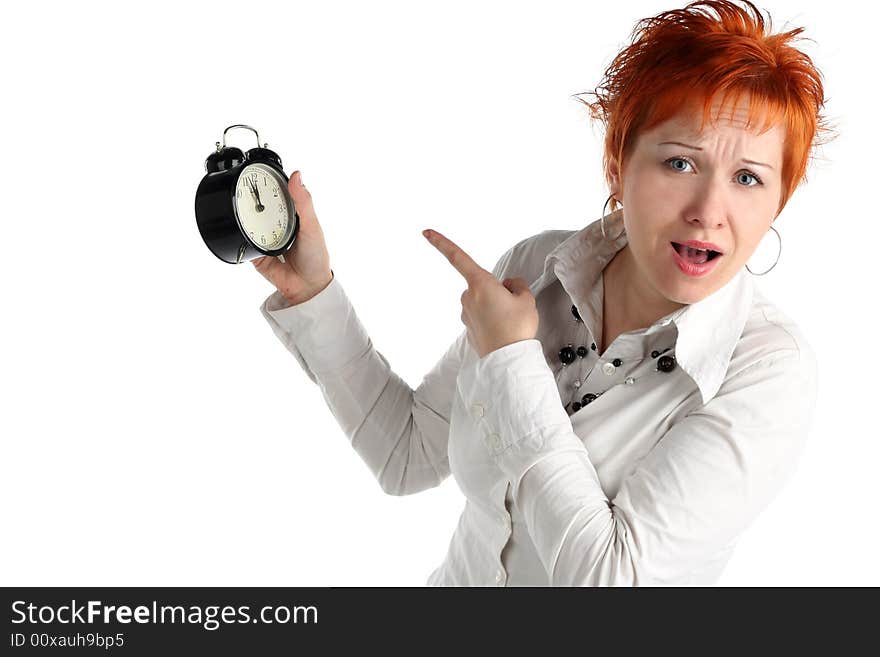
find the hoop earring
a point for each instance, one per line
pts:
(602, 221)
(777, 255)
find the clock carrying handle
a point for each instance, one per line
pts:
(241, 125)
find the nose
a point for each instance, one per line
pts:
(709, 205)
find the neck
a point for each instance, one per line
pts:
(631, 303)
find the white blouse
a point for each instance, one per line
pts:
(683, 432)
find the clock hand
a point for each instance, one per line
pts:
(259, 207)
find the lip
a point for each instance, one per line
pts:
(697, 244)
(691, 269)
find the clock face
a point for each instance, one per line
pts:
(263, 206)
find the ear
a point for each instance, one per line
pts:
(612, 175)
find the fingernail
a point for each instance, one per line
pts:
(298, 178)
(427, 233)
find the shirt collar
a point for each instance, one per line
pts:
(707, 331)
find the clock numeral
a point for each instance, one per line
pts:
(279, 223)
(263, 239)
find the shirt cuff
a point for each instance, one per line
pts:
(512, 395)
(324, 333)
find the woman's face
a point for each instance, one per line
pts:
(672, 193)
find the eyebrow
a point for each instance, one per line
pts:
(697, 148)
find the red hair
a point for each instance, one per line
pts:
(684, 57)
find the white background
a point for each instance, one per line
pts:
(155, 431)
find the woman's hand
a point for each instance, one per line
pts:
(306, 269)
(496, 314)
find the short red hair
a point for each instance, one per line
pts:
(684, 57)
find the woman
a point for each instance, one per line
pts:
(620, 407)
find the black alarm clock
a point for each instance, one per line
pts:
(243, 208)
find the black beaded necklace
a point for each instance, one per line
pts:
(568, 354)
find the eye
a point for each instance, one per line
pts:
(677, 159)
(745, 172)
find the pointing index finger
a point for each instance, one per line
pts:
(455, 254)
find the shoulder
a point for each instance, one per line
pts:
(771, 337)
(770, 389)
(526, 257)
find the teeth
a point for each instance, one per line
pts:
(706, 251)
(684, 246)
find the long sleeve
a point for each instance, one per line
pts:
(692, 495)
(401, 434)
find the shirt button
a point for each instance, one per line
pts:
(666, 363)
(495, 440)
(608, 368)
(477, 410)
(567, 355)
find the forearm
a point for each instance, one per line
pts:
(402, 442)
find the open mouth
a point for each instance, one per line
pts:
(695, 256)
